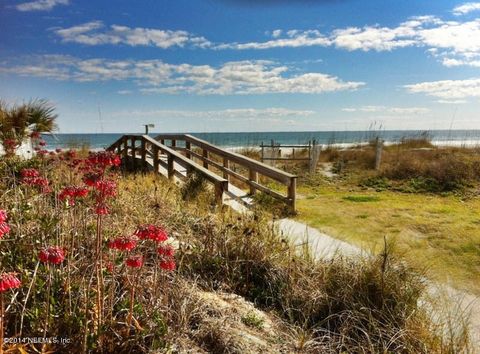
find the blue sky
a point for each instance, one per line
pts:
(245, 65)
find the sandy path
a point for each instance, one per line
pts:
(322, 246)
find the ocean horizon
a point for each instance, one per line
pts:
(254, 139)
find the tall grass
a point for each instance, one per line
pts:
(366, 305)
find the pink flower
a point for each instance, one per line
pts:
(134, 261)
(103, 159)
(110, 267)
(102, 209)
(91, 179)
(151, 232)
(3, 215)
(29, 173)
(9, 281)
(4, 229)
(52, 254)
(126, 243)
(166, 251)
(34, 135)
(73, 192)
(107, 188)
(168, 264)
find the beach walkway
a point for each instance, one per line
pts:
(235, 178)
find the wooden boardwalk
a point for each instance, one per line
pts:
(235, 178)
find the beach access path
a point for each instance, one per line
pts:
(452, 302)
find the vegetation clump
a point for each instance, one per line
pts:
(122, 263)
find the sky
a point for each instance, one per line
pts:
(110, 66)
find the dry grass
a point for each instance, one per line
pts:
(359, 305)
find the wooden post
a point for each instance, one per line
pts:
(162, 141)
(155, 158)
(143, 150)
(378, 153)
(170, 167)
(187, 150)
(134, 153)
(252, 176)
(314, 156)
(292, 193)
(219, 189)
(205, 155)
(226, 164)
(174, 143)
(310, 151)
(125, 152)
(262, 156)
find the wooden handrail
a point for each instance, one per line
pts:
(254, 167)
(220, 183)
(269, 171)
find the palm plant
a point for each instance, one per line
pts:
(18, 121)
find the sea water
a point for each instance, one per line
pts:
(254, 139)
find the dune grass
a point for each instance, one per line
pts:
(346, 305)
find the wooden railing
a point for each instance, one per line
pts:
(151, 152)
(211, 155)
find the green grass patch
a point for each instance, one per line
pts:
(361, 198)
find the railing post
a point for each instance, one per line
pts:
(162, 141)
(174, 143)
(187, 150)
(143, 150)
(226, 164)
(263, 153)
(170, 169)
(252, 176)
(205, 156)
(155, 158)
(292, 193)
(125, 152)
(219, 189)
(134, 162)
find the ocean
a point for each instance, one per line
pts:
(254, 139)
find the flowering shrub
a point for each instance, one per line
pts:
(31, 177)
(82, 231)
(135, 261)
(52, 255)
(9, 281)
(126, 243)
(4, 227)
(72, 193)
(103, 159)
(151, 232)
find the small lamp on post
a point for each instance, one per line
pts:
(148, 126)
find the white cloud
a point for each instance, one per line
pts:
(293, 39)
(390, 110)
(448, 90)
(455, 43)
(452, 101)
(466, 8)
(156, 76)
(249, 114)
(40, 5)
(95, 33)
